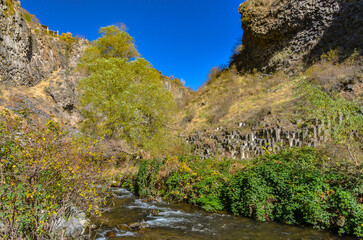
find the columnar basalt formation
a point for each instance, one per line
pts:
(278, 34)
(28, 52)
(237, 144)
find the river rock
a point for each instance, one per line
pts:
(155, 212)
(123, 227)
(75, 226)
(135, 226)
(110, 234)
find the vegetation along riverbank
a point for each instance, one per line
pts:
(275, 134)
(297, 186)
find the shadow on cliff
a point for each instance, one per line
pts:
(345, 33)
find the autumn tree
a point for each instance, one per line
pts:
(123, 95)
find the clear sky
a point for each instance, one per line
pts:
(183, 38)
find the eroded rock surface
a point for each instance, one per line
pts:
(279, 33)
(39, 60)
(29, 52)
(239, 144)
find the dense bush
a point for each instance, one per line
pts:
(185, 179)
(299, 186)
(42, 177)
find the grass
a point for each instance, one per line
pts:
(232, 98)
(229, 98)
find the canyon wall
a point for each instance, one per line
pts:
(281, 33)
(238, 144)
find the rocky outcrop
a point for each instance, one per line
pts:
(278, 33)
(73, 227)
(238, 144)
(37, 65)
(29, 52)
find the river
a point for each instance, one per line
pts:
(131, 218)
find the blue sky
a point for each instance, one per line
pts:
(183, 38)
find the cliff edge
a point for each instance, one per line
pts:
(278, 34)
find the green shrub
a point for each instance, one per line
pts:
(42, 177)
(67, 38)
(342, 117)
(28, 17)
(298, 186)
(184, 179)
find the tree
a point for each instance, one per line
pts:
(122, 95)
(114, 43)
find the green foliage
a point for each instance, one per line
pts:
(114, 43)
(122, 98)
(299, 186)
(42, 177)
(331, 56)
(185, 179)
(342, 118)
(330, 107)
(67, 38)
(146, 177)
(28, 17)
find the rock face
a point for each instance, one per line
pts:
(29, 52)
(34, 57)
(279, 33)
(238, 145)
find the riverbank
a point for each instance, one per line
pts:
(298, 186)
(129, 217)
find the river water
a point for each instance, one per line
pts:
(132, 218)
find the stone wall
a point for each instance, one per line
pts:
(280, 33)
(238, 145)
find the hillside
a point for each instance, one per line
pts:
(275, 136)
(264, 87)
(37, 69)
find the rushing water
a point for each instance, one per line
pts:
(132, 218)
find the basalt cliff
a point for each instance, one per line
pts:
(254, 106)
(278, 34)
(242, 111)
(37, 65)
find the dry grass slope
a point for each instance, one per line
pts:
(228, 99)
